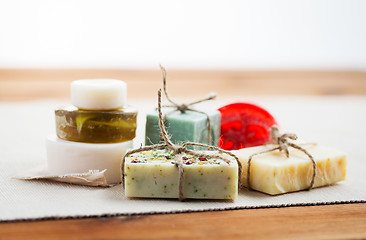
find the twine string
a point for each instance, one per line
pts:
(178, 149)
(282, 145)
(186, 107)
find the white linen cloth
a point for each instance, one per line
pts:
(337, 122)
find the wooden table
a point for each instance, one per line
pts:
(339, 221)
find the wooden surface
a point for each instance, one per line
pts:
(312, 222)
(17, 85)
(341, 221)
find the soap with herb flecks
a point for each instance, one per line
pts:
(154, 174)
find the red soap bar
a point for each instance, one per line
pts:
(244, 125)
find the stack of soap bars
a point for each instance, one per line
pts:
(95, 132)
(172, 171)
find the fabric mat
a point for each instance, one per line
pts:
(338, 122)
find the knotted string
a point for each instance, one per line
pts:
(178, 149)
(282, 145)
(186, 107)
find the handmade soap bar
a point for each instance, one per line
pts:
(184, 127)
(74, 157)
(96, 126)
(274, 174)
(98, 94)
(153, 174)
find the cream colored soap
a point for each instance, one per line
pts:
(274, 174)
(153, 174)
(98, 94)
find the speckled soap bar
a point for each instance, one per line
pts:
(154, 174)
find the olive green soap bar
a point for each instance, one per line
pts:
(103, 126)
(154, 174)
(184, 127)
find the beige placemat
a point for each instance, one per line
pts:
(333, 121)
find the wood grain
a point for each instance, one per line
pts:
(26, 84)
(345, 221)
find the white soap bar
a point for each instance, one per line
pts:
(98, 94)
(66, 157)
(274, 173)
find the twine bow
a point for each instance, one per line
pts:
(282, 145)
(177, 149)
(186, 107)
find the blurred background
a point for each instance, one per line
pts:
(261, 47)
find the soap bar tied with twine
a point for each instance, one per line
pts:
(186, 107)
(178, 149)
(282, 145)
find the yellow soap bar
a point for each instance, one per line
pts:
(273, 173)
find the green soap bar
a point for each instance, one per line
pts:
(184, 127)
(154, 174)
(103, 126)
